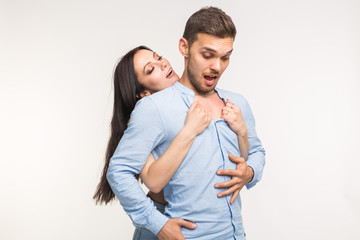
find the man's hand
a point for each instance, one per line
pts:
(172, 229)
(240, 177)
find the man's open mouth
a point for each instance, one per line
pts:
(210, 79)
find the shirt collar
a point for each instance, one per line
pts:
(184, 89)
(188, 91)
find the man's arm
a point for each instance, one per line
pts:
(256, 158)
(145, 131)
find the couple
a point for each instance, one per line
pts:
(193, 132)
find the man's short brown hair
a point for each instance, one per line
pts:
(209, 20)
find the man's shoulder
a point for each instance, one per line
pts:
(164, 94)
(158, 99)
(234, 97)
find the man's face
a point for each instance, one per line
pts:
(208, 58)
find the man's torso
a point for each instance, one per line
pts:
(190, 192)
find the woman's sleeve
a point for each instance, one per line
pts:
(145, 131)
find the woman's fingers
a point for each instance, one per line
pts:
(193, 105)
(226, 111)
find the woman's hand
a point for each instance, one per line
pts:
(233, 116)
(157, 173)
(197, 119)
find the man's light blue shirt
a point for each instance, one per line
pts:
(155, 122)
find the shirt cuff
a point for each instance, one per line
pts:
(156, 221)
(255, 164)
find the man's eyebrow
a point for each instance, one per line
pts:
(148, 62)
(208, 49)
(229, 52)
(214, 51)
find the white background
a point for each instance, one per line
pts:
(297, 62)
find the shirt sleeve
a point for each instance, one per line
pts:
(145, 131)
(256, 157)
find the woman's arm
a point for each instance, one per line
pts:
(233, 116)
(157, 173)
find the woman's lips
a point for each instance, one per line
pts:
(170, 73)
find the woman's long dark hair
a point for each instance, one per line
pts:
(126, 91)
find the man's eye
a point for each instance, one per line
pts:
(207, 56)
(159, 58)
(225, 58)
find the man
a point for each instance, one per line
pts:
(206, 45)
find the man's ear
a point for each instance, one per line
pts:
(184, 47)
(143, 94)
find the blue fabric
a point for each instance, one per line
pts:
(142, 233)
(155, 122)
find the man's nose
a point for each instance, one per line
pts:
(216, 65)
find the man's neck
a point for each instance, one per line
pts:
(210, 101)
(206, 95)
(184, 80)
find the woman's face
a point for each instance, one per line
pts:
(153, 72)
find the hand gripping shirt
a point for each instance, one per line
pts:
(155, 122)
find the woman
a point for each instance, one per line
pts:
(140, 73)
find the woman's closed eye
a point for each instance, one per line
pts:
(150, 70)
(157, 57)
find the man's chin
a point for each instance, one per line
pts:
(206, 90)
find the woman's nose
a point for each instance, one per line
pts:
(163, 64)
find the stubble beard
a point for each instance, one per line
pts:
(199, 88)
